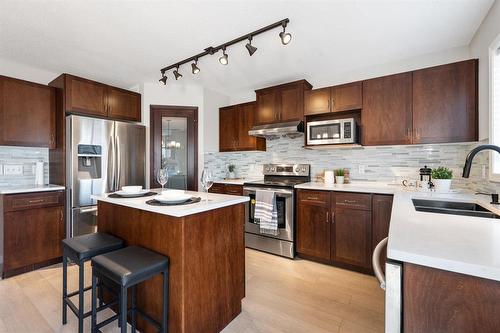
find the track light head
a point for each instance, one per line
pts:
(224, 58)
(250, 48)
(163, 79)
(194, 67)
(286, 37)
(177, 74)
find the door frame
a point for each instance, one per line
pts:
(155, 115)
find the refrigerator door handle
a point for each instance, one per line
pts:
(112, 159)
(118, 162)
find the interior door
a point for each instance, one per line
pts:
(174, 146)
(130, 142)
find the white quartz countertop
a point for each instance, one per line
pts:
(29, 188)
(462, 244)
(236, 181)
(215, 201)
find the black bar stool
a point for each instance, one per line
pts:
(81, 249)
(128, 267)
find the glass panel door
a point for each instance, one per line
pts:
(174, 155)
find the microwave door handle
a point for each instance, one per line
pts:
(377, 269)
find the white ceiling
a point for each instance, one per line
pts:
(127, 42)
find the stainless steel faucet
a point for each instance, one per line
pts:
(472, 153)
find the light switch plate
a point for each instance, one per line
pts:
(13, 169)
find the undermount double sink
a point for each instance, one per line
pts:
(452, 207)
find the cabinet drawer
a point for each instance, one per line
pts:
(217, 188)
(353, 200)
(233, 189)
(314, 197)
(14, 202)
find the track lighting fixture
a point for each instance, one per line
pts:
(163, 79)
(177, 74)
(286, 37)
(250, 48)
(223, 59)
(194, 67)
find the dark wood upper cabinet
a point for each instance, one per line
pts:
(228, 128)
(91, 98)
(27, 113)
(85, 96)
(386, 118)
(234, 123)
(281, 103)
(347, 97)
(313, 224)
(317, 101)
(445, 103)
(123, 104)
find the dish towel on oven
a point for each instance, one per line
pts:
(266, 212)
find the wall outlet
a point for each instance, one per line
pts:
(361, 169)
(13, 169)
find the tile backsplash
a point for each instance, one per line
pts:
(381, 163)
(25, 157)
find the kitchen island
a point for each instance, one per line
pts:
(205, 244)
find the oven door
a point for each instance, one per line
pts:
(284, 205)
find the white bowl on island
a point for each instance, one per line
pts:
(173, 196)
(132, 189)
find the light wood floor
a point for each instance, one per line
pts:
(282, 295)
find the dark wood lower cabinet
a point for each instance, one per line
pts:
(221, 188)
(341, 228)
(435, 300)
(33, 231)
(351, 237)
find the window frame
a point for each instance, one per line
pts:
(494, 60)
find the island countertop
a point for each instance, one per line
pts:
(215, 201)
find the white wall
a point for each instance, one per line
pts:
(488, 31)
(212, 101)
(25, 72)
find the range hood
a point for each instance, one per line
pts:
(291, 129)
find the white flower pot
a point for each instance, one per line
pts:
(442, 185)
(339, 180)
(232, 175)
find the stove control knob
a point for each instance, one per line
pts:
(297, 169)
(267, 168)
(273, 169)
(304, 169)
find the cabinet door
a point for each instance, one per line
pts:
(217, 188)
(123, 104)
(387, 110)
(291, 103)
(228, 128)
(381, 217)
(347, 97)
(317, 101)
(445, 103)
(27, 114)
(246, 120)
(85, 96)
(313, 224)
(352, 239)
(32, 236)
(267, 107)
(233, 189)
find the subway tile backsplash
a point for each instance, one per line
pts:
(26, 157)
(381, 163)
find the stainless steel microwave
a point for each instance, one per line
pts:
(335, 131)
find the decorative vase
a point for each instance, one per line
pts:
(442, 185)
(339, 180)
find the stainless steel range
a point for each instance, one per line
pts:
(280, 179)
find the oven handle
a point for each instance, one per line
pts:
(275, 190)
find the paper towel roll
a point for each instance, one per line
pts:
(39, 173)
(329, 176)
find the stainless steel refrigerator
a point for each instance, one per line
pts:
(102, 156)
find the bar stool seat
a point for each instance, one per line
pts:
(128, 267)
(81, 249)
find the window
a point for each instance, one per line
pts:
(495, 108)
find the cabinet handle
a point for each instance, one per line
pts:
(35, 201)
(349, 201)
(327, 217)
(333, 217)
(417, 133)
(312, 198)
(333, 104)
(61, 217)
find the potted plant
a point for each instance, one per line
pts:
(339, 176)
(231, 168)
(441, 178)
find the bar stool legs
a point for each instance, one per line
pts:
(65, 291)
(164, 322)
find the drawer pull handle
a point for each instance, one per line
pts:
(350, 201)
(36, 201)
(312, 198)
(327, 217)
